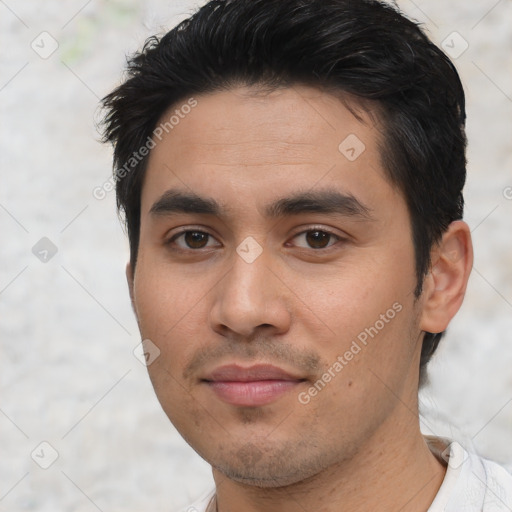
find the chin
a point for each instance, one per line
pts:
(261, 478)
(268, 467)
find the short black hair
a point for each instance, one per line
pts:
(366, 49)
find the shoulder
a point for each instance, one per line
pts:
(473, 484)
(496, 482)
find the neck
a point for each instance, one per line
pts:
(394, 470)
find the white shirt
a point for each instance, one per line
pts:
(471, 483)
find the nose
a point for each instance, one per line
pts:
(250, 297)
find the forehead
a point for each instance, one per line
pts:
(245, 143)
(297, 117)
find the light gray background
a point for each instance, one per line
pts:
(68, 375)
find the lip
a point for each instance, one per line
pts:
(251, 386)
(257, 372)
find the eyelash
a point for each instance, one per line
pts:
(310, 230)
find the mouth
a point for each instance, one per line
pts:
(252, 386)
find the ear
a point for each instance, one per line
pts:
(129, 279)
(445, 285)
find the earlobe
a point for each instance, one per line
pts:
(445, 286)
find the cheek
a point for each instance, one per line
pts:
(168, 315)
(352, 295)
(365, 373)
(368, 308)
(165, 298)
(171, 314)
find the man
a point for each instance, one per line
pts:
(291, 175)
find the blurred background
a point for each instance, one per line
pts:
(80, 426)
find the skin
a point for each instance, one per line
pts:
(356, 445)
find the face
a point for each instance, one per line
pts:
(275, 274)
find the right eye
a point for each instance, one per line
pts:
(191, 240)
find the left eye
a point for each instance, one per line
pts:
(318, 239)
(193, 239)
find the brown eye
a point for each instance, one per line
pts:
(317, 239)
(191, 240)
(196, 239)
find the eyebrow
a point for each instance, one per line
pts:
(320, 201)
